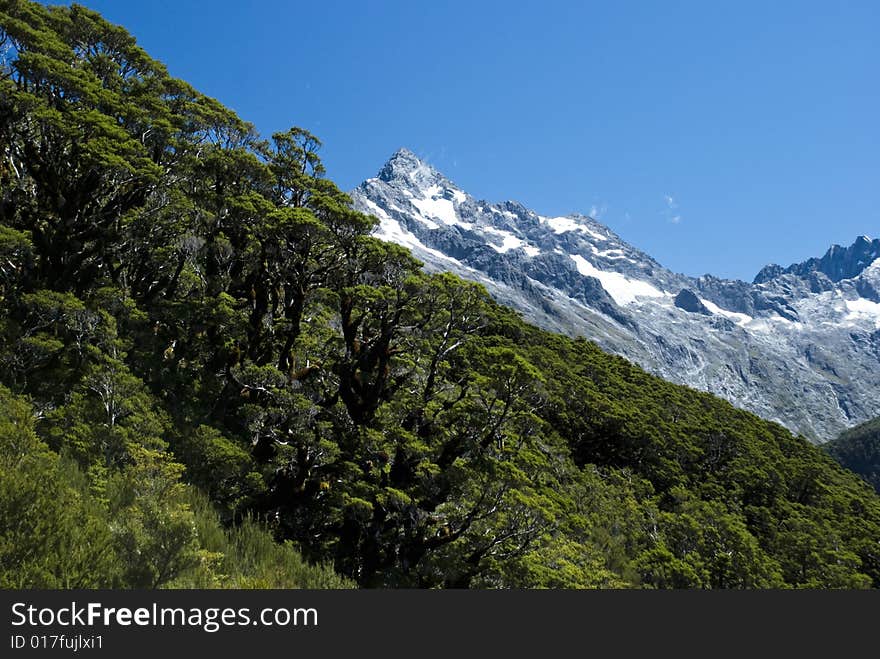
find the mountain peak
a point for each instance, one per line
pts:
(403, 157)
(406, 167)
(837, 264)
(572, 274)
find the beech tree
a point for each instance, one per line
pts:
(212, 374)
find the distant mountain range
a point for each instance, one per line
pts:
(799, 345)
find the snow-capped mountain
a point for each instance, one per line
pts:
(799, 345)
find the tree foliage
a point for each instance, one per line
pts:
(215, 376)
(858, 449)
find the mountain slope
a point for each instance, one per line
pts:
(858, 449)
(799, 345)
(198, 332)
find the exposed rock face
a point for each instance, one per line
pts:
(839, 263)
(800, 345)
(688, 300)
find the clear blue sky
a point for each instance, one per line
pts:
(717, 136)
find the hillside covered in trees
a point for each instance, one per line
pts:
(858, 449)
(211, 374)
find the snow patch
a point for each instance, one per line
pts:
(436, 207)
(509, 242)
(863, 308)
(566, 224)
(431, 224)
(376, 210)
(559, 224)
(739, 318)
(614, 254)
(620, 287)
(391, 231)
(776, 324)
(594, 234)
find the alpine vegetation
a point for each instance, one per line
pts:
(214, 371)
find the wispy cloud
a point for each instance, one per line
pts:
(671, 211)
(596, 211)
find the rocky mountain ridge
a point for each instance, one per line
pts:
(799, 345)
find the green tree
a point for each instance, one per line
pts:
(52, 535)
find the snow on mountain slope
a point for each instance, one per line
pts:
(799, 345)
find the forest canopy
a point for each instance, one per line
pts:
(858, 449)
(211, 374)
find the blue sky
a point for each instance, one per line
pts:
(717, 136)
